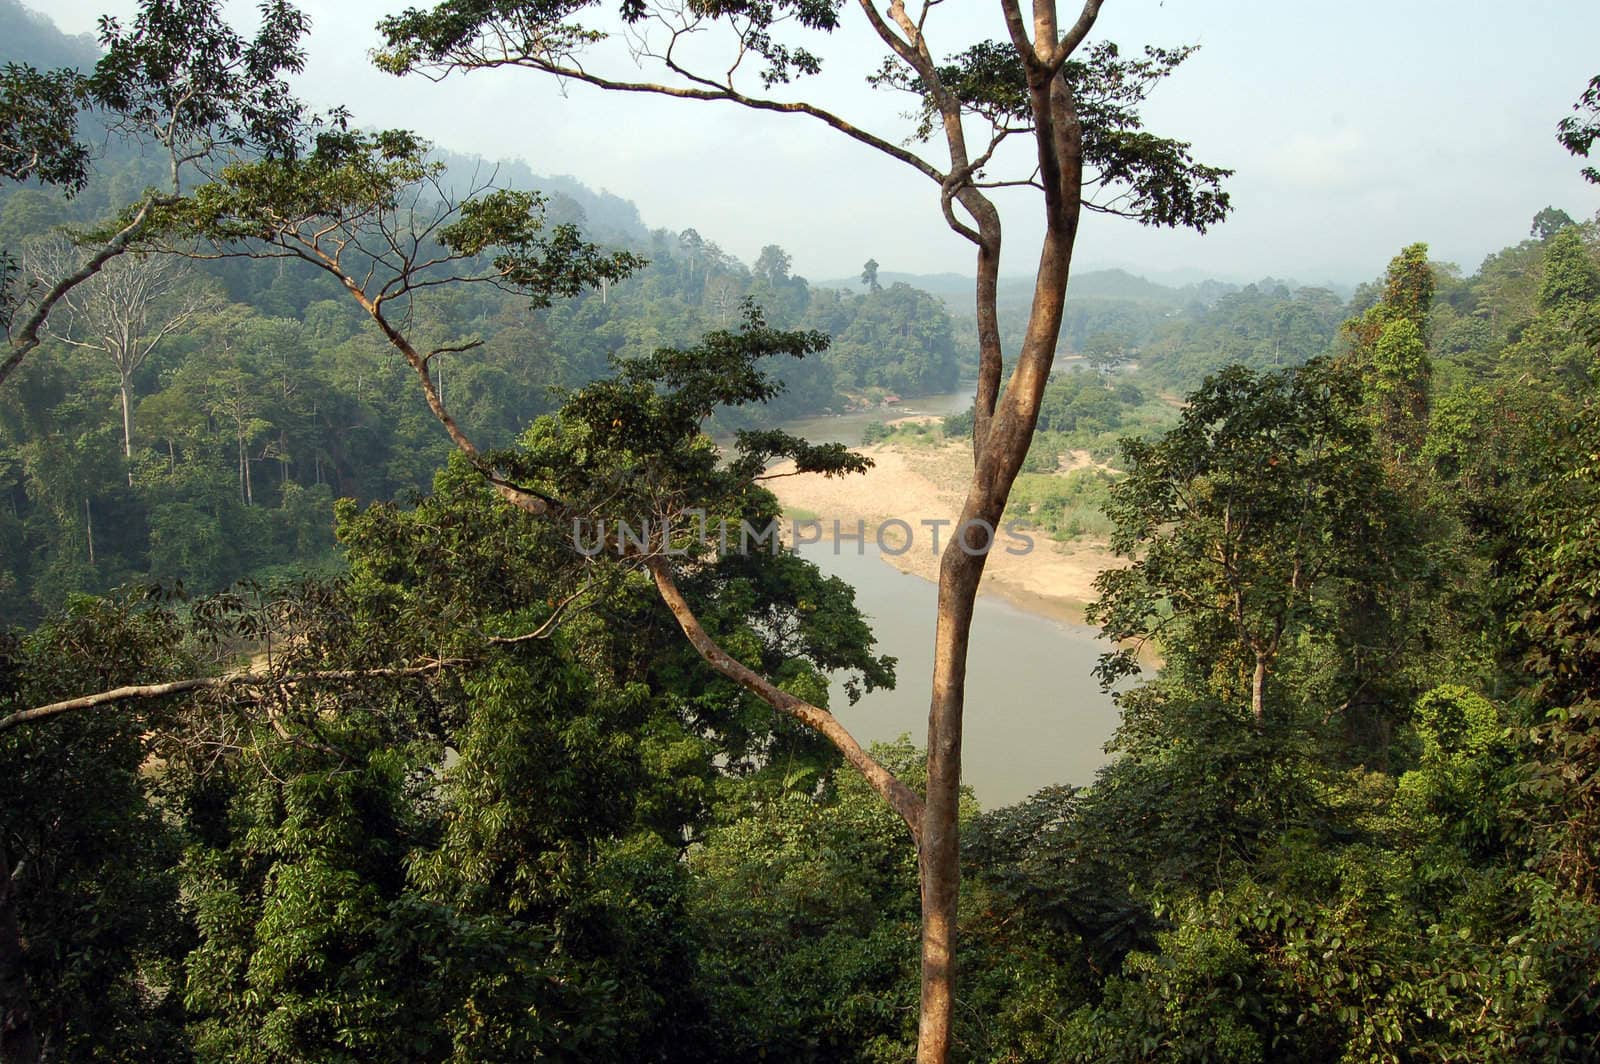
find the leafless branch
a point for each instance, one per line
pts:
(245, 679)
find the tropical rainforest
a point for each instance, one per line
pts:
(320, 742)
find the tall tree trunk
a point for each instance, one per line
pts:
(1258, 689)
(19, 1041)
(1000, 455)
(88, 528)
(125, 387)
(939, 855)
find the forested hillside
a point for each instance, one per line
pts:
(503, 756)
(207, 443)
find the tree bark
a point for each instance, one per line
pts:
(939, 855)
(902, 799)
(19, 1041)
(240, 679)
(960, 573)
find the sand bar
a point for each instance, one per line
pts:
(918, 483)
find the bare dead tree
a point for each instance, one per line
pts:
(179, 81)
(124, 311)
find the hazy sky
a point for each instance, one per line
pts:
(1355, 128)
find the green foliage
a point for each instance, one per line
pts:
(1556, 641)
(958, 426)
(899, 339)
(1548, 222)
(1398, 385)
(1184, 1002)
(38, 127)
(806, 900)
(85, 839)
(1577, 132)
(571, 840)
(1570, 274)
(869, 275)
(1266, 488)
(1262, 326)
(285, 397)
(1388, 346)
(1066, 506)
(1455, 723)
(182, 75)
(1160, 182)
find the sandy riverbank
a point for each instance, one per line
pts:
(914, 484)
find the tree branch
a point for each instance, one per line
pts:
(902, 799)
(27, 337)
(244, 679)
(757, 103)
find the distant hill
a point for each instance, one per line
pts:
(1171, 288)
(956, 289)
(606, 216)
(26, 36)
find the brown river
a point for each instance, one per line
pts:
(1035, 713)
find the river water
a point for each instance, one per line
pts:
(1035, 713)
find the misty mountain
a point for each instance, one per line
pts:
(605, 216)
(1112, 284)
(26, 36)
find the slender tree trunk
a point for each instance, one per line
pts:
(991, 358)
(1258, 689)
(126, 389)
(88, 528)
(1000, 455)
(19, 1041)
(939, 855)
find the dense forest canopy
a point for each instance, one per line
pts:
(320, 741)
